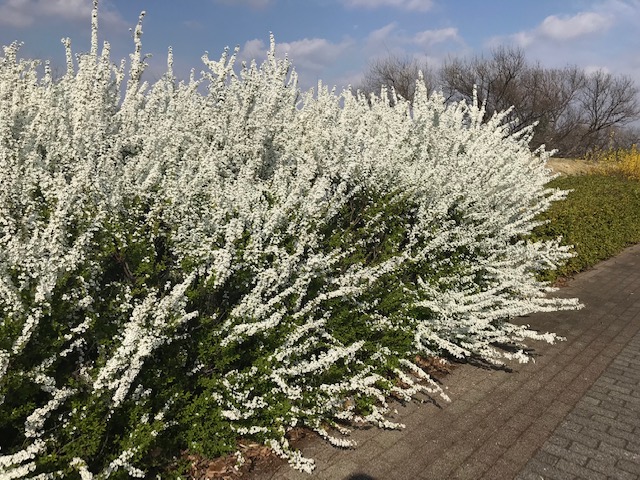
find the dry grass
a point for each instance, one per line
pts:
(570, 166)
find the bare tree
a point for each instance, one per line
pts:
(548, 98)
(505, 80)
(574, 111)
(496, 79)
(607, 102)
(401, 74)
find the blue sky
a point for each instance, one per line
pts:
(333, 40)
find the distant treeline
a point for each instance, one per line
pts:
(576, 111)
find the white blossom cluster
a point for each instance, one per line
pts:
(250, 179)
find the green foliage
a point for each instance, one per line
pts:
(373, 225)
(600, 217)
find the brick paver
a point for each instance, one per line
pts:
(600, 438)
(574, 413)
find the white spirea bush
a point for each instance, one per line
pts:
(180, 268)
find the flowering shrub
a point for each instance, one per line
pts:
(179, 269)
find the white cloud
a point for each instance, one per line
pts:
(589, 69)
(381, 34)
(429, 47)
(312, 53)
(352, 78)
(559, 29)
(391, 38)
(21, 13)
(579, 25)
(307, 54)
(427, 38)
(592, 40)
(413, 5)
(253, 50)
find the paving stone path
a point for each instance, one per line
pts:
(574, 413)
(600, 438)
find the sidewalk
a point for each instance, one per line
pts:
(574, 413)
